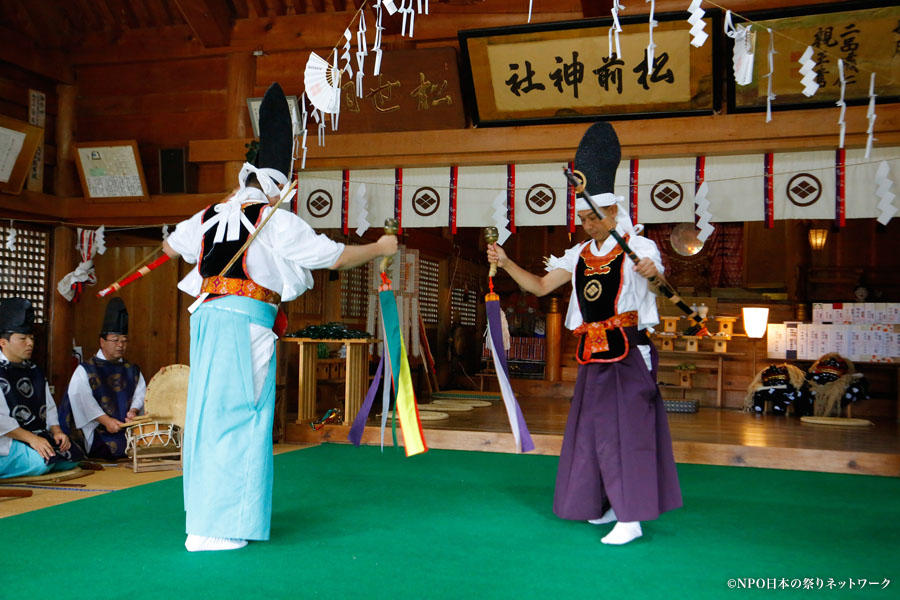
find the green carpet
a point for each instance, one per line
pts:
(355, 523)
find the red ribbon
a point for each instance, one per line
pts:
(768, 191)
(454, 177)
(840, 217)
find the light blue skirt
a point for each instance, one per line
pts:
(228, 432)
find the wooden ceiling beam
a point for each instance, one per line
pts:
(23, 21)
(18, 49)
(318, 5)
(299, 7)
(161, 16)
(339, 5)
(596, 8)
(278, 7)
(107, 15)
(77, 20)
(209, 20)
(142, 13)
(241, 10)
(177, 17)
(260, 8)
(124, 14)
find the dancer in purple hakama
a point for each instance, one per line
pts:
(616, 463)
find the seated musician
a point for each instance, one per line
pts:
(31, 441)
(106, 391)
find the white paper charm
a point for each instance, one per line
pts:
(651, 47)
(698, 36)
(744, 45)
(500, 218)
(886, 207)
(843, 105)
(807, 64)
(702, 210)
(870, 115)
(616, 29)
(361, 209)
(769, 95)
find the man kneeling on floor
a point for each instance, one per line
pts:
(31, 441)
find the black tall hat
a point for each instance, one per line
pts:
(276, 133)
(598, 157)
(116, 318)
(16, 315)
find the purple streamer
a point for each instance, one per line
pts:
(496, 332)
(359, 423)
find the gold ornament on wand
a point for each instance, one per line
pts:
(391, 227)
(491, 235)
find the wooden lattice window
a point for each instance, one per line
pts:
(355, 292)
(429, 277)
(464, 303)
(25, 272)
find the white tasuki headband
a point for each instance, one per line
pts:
(265, 178)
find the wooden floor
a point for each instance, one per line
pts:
(711, 436)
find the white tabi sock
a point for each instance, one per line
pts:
(623, 533)
(201, 543)
(608, 517)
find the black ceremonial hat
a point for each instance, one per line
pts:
(116, 318)
(16, 315)
(598, 158)
(276, 133)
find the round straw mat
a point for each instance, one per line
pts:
(426, 415)
(463, 402)
(844, 421)
(445, 407)
(50, 477)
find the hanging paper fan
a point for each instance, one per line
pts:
(323, 84)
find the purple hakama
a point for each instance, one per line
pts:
(617, 450)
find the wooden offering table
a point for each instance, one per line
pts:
(357, 376)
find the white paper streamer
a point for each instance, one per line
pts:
(742, 59)
(702, 211)
(376, 46)
(360, 209)
(304, 116)
(769, 95)
(408, 14)
(698, 36)
(871, 116)
(843, 105)
(389, 5)
(336, 113)
(886, 207)
(11, 239)
(499, 217)
(807, 64)
(651, 47)
(165, 232)
(345, 55)
(616, 29)
(361, 52)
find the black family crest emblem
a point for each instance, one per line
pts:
(319, 203)
(426, 201)
(540, 198)
(667, 195)
(804, 189)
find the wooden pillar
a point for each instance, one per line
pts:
(241, 81)
(65, 182)
(61, 323)
(553, 366)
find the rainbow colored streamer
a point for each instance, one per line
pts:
(398, 366)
